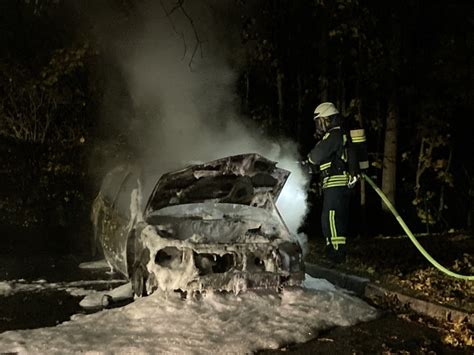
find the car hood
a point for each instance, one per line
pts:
(247, 179)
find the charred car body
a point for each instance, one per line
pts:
(207, 226)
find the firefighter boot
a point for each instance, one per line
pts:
(336, 256)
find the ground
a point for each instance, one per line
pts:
(381, 259)
(395, 263)
(391, 334)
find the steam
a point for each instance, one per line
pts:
(186, 109)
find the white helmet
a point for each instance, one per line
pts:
(324, 110)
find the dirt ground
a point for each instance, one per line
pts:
(390, 334)
(395, 263)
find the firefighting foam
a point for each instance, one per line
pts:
(217, 323)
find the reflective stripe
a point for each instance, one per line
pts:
(357, 135)
(335, 239)
(335, 181)
(340, 181)
(338, 184)
(326, 135)
(325, 166)
(335, 244)
(338, 240)
(336, 178)
(332, 224)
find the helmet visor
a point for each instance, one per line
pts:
(321, 126)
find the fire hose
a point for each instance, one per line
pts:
(412, 237)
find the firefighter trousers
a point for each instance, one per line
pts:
(335, 220)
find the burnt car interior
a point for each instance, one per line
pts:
(222, 182)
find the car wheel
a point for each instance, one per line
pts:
(139, 279)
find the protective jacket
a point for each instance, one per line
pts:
(330, 153)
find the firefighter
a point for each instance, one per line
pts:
(331, 155)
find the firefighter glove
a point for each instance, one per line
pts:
(352, 181)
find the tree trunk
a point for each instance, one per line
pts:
(389, 169)
(299, 122)
(389, 166)
(247, 91)
(341, 90)
(281, 117)
(363, 210)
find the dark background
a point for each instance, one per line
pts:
(365, 56)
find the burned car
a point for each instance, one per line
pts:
(207, 226)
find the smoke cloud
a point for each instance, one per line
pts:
(183, 87)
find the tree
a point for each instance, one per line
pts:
(48, 106)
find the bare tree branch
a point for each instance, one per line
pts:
(179, 4)
(198, 45)
(179, 33)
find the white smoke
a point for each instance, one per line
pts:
(190, 98)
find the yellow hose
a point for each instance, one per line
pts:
(412, 237)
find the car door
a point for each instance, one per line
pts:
(115, 222)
